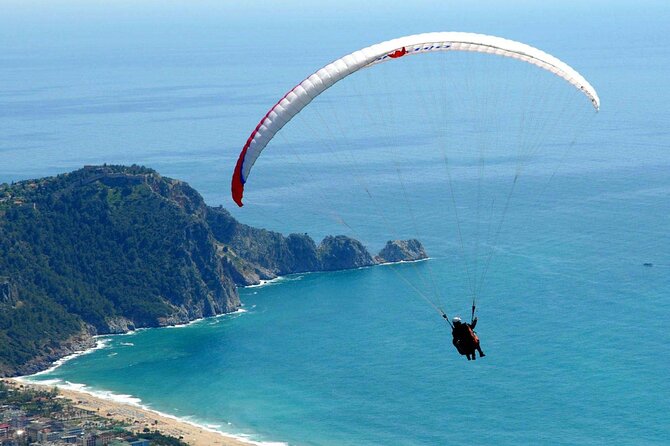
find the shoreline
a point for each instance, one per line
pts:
(122, 407)
(102, 340)
(126, 408)
(119, 406)
(289, 277)
(99, 345)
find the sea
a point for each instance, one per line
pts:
(573, 323)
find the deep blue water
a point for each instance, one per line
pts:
(574, 327)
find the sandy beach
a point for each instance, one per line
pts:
(139, 418)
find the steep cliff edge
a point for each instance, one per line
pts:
(258, 254)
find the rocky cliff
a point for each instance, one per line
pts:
(401, 251)
(257, 254)
(8, 294)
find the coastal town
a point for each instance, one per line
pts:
(41, 416)
(37, 414)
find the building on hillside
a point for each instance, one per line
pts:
(77, 431)
(97, 438)
(87, 440)
(118, 442)
(104, 438)
(47, 435)
(69, 439)
(16, 418)
(33, 429)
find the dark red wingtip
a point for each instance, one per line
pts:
(238, 192)
(237, 186)
(398, 53)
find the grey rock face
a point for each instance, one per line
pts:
(342, 252)
(261, 253)
(8, 294)
(252, 254)
(53, 352)
(119, 324)
(401, 250)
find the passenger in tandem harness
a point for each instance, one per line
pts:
(465, 339)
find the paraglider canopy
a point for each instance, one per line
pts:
(302, 94)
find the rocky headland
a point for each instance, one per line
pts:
(107, 249)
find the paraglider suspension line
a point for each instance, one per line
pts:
(446, 318)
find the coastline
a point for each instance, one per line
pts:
(100, 343)
(125, 407)
(298, 276)
(128, 409)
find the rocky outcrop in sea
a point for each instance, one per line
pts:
(401, 251)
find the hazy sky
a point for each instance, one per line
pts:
(20, 16)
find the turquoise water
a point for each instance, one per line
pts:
(574, 327)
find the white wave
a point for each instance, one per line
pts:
(246, 438)
(196, 321)
(102, 394)
(403, 261)
(265, 282)
(132, 332)
(278, 280)
(128, 344)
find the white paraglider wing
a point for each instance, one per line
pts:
(303, 93)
